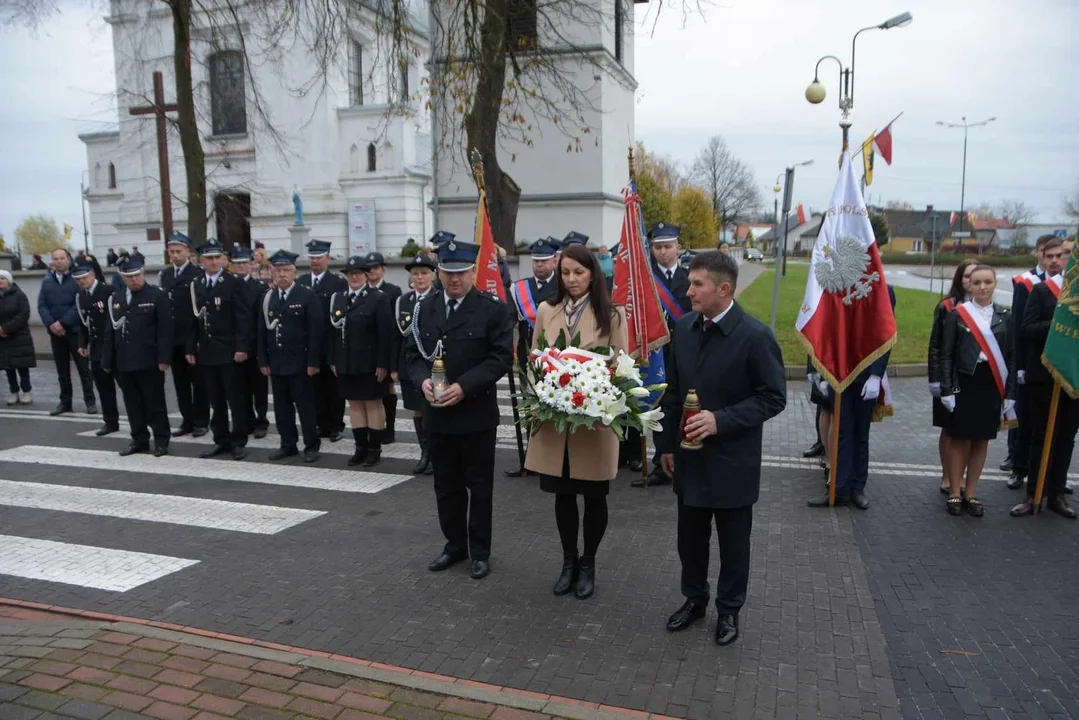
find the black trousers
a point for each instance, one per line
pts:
(65, 349)
(190, 391)
(330, 406)
(144, 398)
(106, 390)
(855, 422)
(225, 386)
(733, 527)
(256, 392)
(1060, 457)
(1020, 452)
(292, 393)
(464, 489)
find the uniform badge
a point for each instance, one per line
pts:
(451, 246)
(117, 306)
(217, 301)
(271, 313)
(407, 318)
(338, 312)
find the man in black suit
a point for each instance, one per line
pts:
(672, 282)
(734, 365)
(291, 333)
(474, 332)
(176, 281)
(256, 386)
(330, 404)
(527, 294)
(218, 344)
(92, 303)
(376, 278)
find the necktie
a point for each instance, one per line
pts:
(670, 278)
(210, 283)
(314, 285)
(281, 296)
(708, 325)
(451, 306)
(351, 298)
(540, 284)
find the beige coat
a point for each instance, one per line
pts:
(593, 454)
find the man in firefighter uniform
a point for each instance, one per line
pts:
(328, 401)
(176, 280)
(92, 302)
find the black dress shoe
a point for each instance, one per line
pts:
(422, 465)
(1060, 506)
(335, 436)
(480, 569)
(637, 481)
(1068, 490)
(1023, 509)
(215, 451)
(859, 500)
(134, 448)
(635, 465)
(568, 579)
(444, 561)
(161, 450)
(685, 616)
(518, 472)
(726, 629)
(1015, 482)
(1007, 465)
(816, 451)
(586, 580)
(199, 431)
(91, 408)
(282, 453)
(181, 432)
(657, 477)
(373, 458)
(106, 429)
(822, 501)
(259, 433)
(310, 456)
(239, 453)
(60, 410)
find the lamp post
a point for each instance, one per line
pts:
(82, 205)
(816, 93)
(781, 249)
(966, 126)
(777, 188)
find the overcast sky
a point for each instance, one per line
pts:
(741, 72)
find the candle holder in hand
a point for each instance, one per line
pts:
(690, 407)
(438, 380)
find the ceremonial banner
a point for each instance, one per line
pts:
(488, 276)
(883, 143)
(846, 320)
(1061, 356)
(867, 159)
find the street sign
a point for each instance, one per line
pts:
(963, 234)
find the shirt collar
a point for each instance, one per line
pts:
(670, 269)
(216, 277)
(446, 297)
(182, 267)
(93, 287)
(718, 318)
(287, 290)
(317, 277)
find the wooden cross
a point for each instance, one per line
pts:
(159, 108)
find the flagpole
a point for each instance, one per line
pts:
(1047, 445)
(642, 341)
(856, 154)
(833, 447)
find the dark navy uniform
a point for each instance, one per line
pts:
(476, 334)
(222, 328)
(93, 306)
(191, 394)
(256, 385)
(1019, 437)
(329, 404)
(389, 400)
(361, 341)
(404, 310)
(139, 342)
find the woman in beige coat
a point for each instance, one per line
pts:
(582, 463)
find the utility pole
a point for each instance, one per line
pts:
(82, 206)
(158, 110)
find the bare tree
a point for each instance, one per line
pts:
(898, 205)
(1018, 213)
(728, 182)
(1071, 205)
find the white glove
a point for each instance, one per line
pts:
(1009, 405)
(948, 401)
(934, 388)
(871, 389)
(813, 378)
(823, 386)
(1022, 377)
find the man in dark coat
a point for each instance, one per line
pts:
(218, 343)
(329, 404)
(93, 304)
(474, 332)
(256, 385)
(176, 281)
(291, 333)
(56, 306)
(111, 258)
(376, 278)
(734, 365)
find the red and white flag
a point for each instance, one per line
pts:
(634, 286)
(801, 214)
(488, 276)
(883, 143)
(846, 319)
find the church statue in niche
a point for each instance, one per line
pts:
(297, 206)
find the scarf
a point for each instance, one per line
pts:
(573, 311)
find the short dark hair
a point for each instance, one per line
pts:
(1051, 243)
(722, 268)
(1039, 244)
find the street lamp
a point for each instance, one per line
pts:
(965, 125)
(816, 93)
(781, 240)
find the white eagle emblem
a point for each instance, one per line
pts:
(842, 269)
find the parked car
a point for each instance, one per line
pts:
(752, 254)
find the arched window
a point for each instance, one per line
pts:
(98, 179)
(354, 160)
(228, 104)
(112, 176)
(371, 155)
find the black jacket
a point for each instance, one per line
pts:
(678, 286)
(944, 307)
(368, 339)
(403, 309)
(226, 324)
(94, 311)
(176, 287)
(959, 350)
(477, 343)
(17, 345)
(737, 370)
(254, 289)
(295, 342)
(331, 283)
(1020, 295)
(524, 328)
(56, 301)
(391, 291)
(140, 332)
(1037, 319)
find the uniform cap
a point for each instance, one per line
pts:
(574, 238)
(421, 260)
(318, 248)
(211, 248)
(283, 257)
(375, 258)
(132, 266)
(240, 254)
(543, 250)
(81, 269)
(454, 256)
(178, 238)
(357, 262)
(663, 232)
(441, 237)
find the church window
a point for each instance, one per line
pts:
(228, 103)
(97, 176)
(354, 160)
(371, 154)
(521, 30)
(112, 176)
(618, 31)
(404, 80)
(355, 74)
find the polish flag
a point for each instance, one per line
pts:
(846, 319)
(488, 276)
(801, 214)
(883, 143)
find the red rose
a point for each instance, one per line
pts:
(578, 399)
(611, 371)
(564, 379)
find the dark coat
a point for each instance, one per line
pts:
(391, 291)
(524, 327)
(295, 344)
(140, 332)
(56, 301)
(1020, 295)
(331, 283)
(254, 288)
(227, 323)
(679, 286)
(477, 343)
(1037, 319)
(369, 338)
(959, 350)
(944, 307)
(94, 311)
(403, 309)
(177, 288)
(17, 345)
(737, 371)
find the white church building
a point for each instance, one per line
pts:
(358, 150)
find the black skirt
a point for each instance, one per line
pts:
(941, 416)
(360, 386)
(977, 406)
(566, 485)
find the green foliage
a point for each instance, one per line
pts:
(692, 210)
(880, 228)
(411, 249)
(1019, 259)
(39, 234)
(657, 202)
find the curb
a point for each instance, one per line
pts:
(560, 707)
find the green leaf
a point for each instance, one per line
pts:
(575, 341)
(560, 341)
(541, 341)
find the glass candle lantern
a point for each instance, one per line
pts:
(690, 407)
(438, 379)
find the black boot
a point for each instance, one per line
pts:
(424, 464)
(568, 578)
(374, 451)
(360, 436)
(389, 402)
(586, 578)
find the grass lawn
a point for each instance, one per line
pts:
(913, 311)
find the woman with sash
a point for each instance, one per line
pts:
(977, 385)
(958, 293)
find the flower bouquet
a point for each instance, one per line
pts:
(575, 388)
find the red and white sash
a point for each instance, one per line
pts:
(983, 335)
(1028, 279)
(1056, 284)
